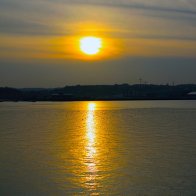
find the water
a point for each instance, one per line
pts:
(98, 148)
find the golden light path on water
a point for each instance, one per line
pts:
(86, 153)
(91, 148)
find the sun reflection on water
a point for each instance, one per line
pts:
(90, 157)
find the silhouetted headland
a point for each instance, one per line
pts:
(101, 92)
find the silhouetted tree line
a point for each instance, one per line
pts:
(100, 92)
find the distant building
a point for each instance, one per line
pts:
(192, 95)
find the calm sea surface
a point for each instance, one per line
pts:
(98, 148)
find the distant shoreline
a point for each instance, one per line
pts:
(116, 92)
(33, 101)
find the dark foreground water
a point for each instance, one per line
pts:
(98, 148)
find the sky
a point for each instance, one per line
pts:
(154, 40)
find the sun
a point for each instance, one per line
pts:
(90, 45)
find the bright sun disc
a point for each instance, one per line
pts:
(90, 45)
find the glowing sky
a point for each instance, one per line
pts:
(154, 40)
